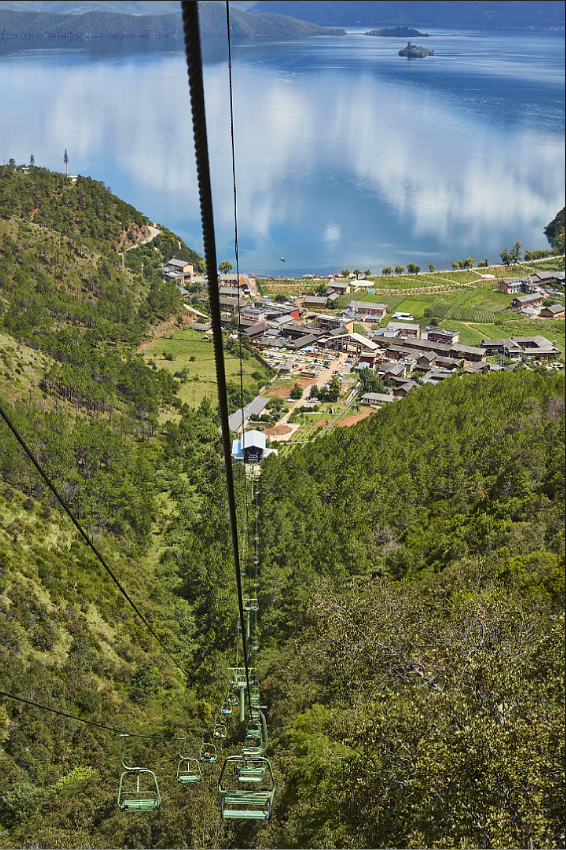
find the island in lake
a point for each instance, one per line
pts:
(398, 32)
(413, 51)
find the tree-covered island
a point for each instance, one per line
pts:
(397, 32)
(414, 51)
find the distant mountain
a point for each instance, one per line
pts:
(105, 24)
(78, 7)
(126, 7)
(456, 14)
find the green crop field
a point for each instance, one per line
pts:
(468, 336)
(201, 378)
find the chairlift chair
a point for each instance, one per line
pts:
(142, 795)
(208, 752)
(219, 730)
(188, 769)
(251, 770)
(246, 803)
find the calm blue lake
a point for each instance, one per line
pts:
(346, 154)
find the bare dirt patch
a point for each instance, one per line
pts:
(351, 420)
(283, 392)
(278, 430)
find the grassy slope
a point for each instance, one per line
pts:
(201, 379)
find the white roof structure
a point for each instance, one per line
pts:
(249, 440)
(363, 340)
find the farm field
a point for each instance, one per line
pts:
(468, 335)
(193, 351)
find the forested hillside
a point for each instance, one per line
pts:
(113, 24)
(411, 579)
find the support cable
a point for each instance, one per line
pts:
(196, 88)
(88, 722)
(237, 255)
(85, 536)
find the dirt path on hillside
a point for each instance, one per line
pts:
(153, 231)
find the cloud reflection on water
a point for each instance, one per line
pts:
(335, 166)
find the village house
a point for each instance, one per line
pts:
(448, 363)
(538, 347)
(533, 300)
(404, 389)
(426, 360)
(329, 323)
(302, 342)
(315, 302)
(508, 347)
(179, 271)
(402, 329)
(231, 281)
(457, 350)
(376, 399)
(228, 305)
(368, 311)
(393, 370)
(296, 330)
(179, 266)
(555, 311)
(545, 278)
(341, 287)
(228, 292)
(440, 335)
(253, 314)
(511, 285)
(399, 352)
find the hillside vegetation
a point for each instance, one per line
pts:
(411, 581)
(488, 14)
(109, 24)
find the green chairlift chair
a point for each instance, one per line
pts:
(208, 752)
(138, 790)
(188, 769)
(254, 696)
(219, 730)
(251, 770)
(256, 741)
(246, 803)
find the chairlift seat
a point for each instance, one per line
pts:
(144, 796)
(188, 770)
(246, 803)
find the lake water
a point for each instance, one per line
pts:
(346, 154)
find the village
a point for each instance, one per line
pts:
(312, 343)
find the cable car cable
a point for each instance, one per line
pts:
(196, 88)
(237, 255)
(85, 536)
(88, 722)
